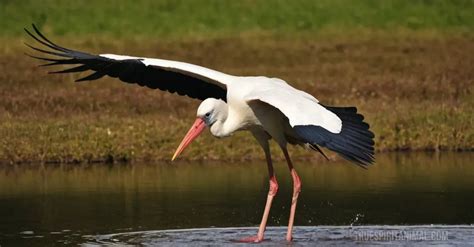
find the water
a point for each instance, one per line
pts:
(406, 199)
(423, 235)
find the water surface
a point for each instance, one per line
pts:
(56, 204)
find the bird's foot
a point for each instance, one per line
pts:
(251, 239)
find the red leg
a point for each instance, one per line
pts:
(294, 200)
(296, 192)
(271, 194)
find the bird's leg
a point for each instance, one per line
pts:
(296, 192)
(271, 194)
(272, 190)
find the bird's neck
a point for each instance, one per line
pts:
(225, 124)
(219, 128)
(229, 121)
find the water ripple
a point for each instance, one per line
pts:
(422, 235)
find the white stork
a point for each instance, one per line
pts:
(267, 107)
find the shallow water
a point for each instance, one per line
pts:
(422, 235)
(140, 203)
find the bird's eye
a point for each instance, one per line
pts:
(207, 114)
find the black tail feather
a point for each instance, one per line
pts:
(316, 148)
(355, 141)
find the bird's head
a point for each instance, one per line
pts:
(209, 112)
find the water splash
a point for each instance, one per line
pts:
(357, 218)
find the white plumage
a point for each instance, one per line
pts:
(267, 107)
(214, 76)
(241, 89)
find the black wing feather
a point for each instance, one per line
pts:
(94, 76)
(354, 142)
(79, 68)
(129, 70)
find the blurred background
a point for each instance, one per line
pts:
(407, 65)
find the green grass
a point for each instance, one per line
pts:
(174, 18)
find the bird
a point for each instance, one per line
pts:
(269, 108)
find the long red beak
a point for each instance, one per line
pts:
(192, 134)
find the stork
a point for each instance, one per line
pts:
(269, 108)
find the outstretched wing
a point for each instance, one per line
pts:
(340, 129)
(172, 76)
(299, 107)
(354, 142)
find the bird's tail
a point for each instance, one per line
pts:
(355, 141)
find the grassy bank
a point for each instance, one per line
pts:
(407, 65)
(415, 92)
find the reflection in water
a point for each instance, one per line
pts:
(52, 202)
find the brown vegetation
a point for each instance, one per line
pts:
(416, 92)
